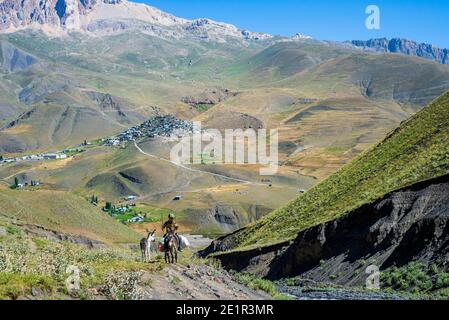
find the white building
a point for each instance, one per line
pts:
(54, 156)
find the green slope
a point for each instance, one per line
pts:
(284, 59)
(416, 151)
(63, 212)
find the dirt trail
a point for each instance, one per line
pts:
(198, 171)
(196, 282)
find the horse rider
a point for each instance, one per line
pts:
(170, 226)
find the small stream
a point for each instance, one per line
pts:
(301, 293)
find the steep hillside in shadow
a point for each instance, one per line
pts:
(407, 225)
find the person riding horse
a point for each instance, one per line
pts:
(170, 227)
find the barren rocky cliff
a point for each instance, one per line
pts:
(411, 224)
(407, 47)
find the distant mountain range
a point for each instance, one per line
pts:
(407, 47)
(106, 17)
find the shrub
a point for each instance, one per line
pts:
(256, 283)
(122, 286)
(415, 278)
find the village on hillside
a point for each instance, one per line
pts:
(158, 126)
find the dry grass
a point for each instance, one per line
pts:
(19, 129)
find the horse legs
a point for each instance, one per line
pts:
(170, 255)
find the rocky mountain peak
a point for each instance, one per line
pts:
(300, 36)
(405, 46)
(16, 14)
(100, 17)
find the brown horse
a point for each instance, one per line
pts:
(171, 248)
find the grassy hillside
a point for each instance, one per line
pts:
(416, 151)
(140, 70)
(328, 102)
(63, 212)
(327, 70)
(284, 59)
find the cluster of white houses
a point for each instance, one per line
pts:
(36, 157)
(158, 126)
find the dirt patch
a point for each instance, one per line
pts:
(18, 129)
(53, 165)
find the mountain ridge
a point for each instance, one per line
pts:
(96, 17)
(406, 47)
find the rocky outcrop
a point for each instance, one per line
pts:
(224, 217)
(227, 218)
(24, 116)
(211, 96)
(15, 14)
(407, 47)
(107, 102)
(411, 224)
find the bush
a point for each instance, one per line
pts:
(122, 286)
(257, 283)
(415, 278)
(442, 281)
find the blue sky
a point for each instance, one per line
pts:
(424, 21)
